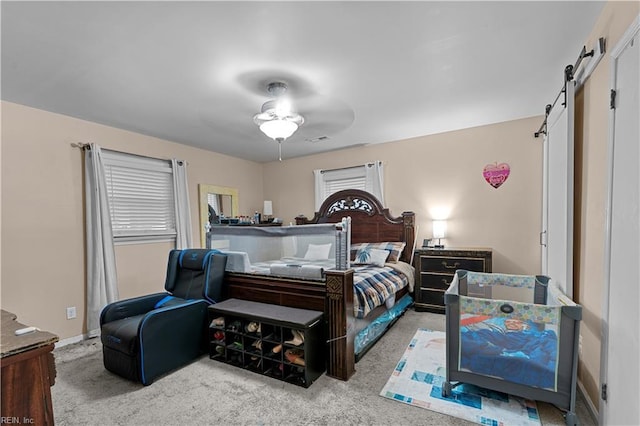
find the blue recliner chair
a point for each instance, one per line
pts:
(147, 336)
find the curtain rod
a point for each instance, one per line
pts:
(351, 167)
(86, 146)
(569, 72)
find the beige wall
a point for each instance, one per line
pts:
(591, 179)
(443, 172)
(43, 251)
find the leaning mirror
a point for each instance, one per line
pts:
(216, 202)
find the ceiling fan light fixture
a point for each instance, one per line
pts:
(277, 118)
(278, 128)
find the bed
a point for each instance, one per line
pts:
(516, 334)
(352, 327)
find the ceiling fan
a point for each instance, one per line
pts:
(277, 119)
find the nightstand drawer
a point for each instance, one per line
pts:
(450, 264)
(432, 297)
(439, 281)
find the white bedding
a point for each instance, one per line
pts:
(295, 267)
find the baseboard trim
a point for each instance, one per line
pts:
(590, 407)
(70, 341)
(77, 339)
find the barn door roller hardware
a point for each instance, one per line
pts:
(569, 74)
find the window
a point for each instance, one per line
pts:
(338, 180)
(367, 177)
(141, 198)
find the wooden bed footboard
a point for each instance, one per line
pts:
(334, 298)
(341, 361)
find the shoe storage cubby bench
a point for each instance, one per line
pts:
(277, 341)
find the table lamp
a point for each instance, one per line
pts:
(267, 210)
(439, 229)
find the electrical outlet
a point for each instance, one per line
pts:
(71, 312)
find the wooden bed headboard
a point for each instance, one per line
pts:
(370, 221)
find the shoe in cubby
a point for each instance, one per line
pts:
(273, 368)
(218, 351)
(253, 363)
(272, 350)
(295, 356)
(218, 336)
(295, 375)
(295, 337)
(234, 325)
(217, 322)
(252, 328)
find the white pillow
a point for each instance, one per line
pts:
(372, 256)
(237, 261)
(318, 251)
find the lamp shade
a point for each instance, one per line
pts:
(439, 228)
(267, 210)
(278, 129)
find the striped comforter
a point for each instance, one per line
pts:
(373, 285)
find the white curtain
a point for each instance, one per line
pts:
(102, 283)
(213, 201)
(319, 188)
(374, 179)
(181, 199)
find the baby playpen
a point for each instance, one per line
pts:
(516, 334)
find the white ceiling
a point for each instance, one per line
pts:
(359, 72)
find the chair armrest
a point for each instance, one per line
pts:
(171, 336)
(130, 307)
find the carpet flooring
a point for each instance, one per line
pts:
(207, 392)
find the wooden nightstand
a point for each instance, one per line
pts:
(435, 269)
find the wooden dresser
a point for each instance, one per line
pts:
(28, 372)
(435, 269)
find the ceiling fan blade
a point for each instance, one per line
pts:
(324, 116)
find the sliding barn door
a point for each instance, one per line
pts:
(557, 201)
(620, 375)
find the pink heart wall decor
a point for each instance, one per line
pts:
(496, 174)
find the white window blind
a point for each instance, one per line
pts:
(332, 186)
(141, 199)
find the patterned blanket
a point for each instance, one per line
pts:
(373, 285)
